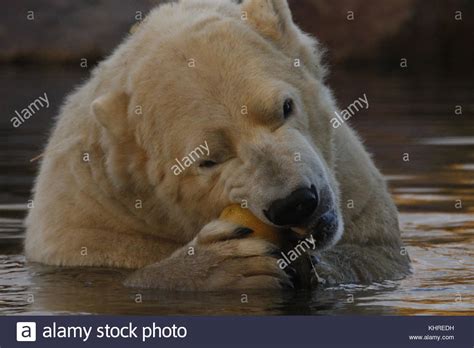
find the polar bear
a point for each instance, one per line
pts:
(245, 81)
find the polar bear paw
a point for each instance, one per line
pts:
(223, 256)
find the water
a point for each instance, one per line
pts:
(407, 114)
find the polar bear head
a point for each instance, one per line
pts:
(223, 103)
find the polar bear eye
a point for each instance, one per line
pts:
(207, 164)
(287, 108)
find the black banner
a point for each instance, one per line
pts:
(294, 331)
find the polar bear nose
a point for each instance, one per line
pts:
(294, 209)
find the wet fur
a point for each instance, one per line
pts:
(85, 212)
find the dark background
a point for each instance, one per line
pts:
(382, 32)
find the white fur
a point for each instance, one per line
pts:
(86, 212)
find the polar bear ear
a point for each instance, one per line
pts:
(110, 110)
(271, 18)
